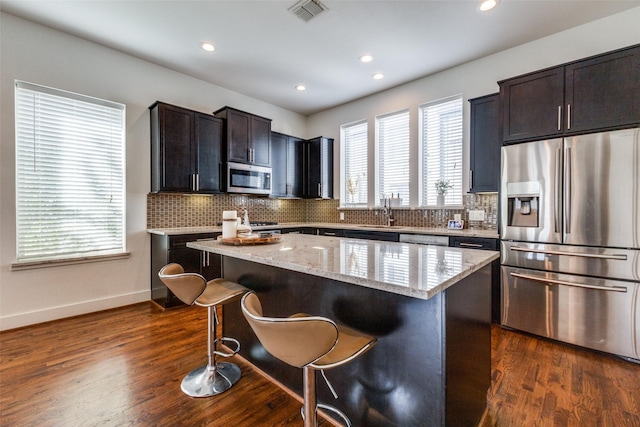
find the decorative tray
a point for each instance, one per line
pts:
(251, 240)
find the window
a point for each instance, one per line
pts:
(354, 164)
(441, 145)
(392, 161)
(69, 175)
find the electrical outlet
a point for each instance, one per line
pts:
(341, 216)
(476, 215)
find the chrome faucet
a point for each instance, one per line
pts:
(388, 212)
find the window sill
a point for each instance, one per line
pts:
(29, 265)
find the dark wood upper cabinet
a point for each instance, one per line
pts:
(603, 92)
(318, 163)
(593, 94)
(248, 137)
(532, 105)
(186, 150)
(485, 143)
(287, 166)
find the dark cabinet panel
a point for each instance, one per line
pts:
(335, 232)
(318, 168)
(260, 140)
(532, 105)
(372, 235)
(209, 131)
(489, 245)
(248, 137)
(295, 167)
(485, 143)
(279, 164)
(287, 166)
(603, 92)
(168, 249)
(173, 159)
(593, 94)
(238, 136)
(186, 150)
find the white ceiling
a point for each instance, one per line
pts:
(263, 50)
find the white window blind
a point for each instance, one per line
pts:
(354, 163)
(392, 139)
(70, 176)
(441, 145)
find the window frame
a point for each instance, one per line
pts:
(344, 190)
(422, 144)
(378, 191)
(71, 138)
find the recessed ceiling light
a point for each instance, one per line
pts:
(366, 58)
(487, 5)
(378, 76)
(301, 87)
(208, 47)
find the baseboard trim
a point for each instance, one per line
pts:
(60, 312)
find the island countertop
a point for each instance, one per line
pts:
(419, 271)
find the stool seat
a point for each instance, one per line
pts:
(308, 342)
(220, 291)
(193, 289)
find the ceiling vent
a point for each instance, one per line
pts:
(307, 9)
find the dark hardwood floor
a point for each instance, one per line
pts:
(124, 367)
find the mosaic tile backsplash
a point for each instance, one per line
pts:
(178, 210)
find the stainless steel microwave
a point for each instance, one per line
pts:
(248, 179)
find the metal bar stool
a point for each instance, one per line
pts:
(193, 289)
(308, 342)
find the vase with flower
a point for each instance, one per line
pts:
(442, 187)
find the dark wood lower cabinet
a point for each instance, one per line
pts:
(167, 249)
(488, 245)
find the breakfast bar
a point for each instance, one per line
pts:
(429, 307)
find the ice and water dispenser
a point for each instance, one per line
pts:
(523, 200)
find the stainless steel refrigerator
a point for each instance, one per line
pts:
(570, 240)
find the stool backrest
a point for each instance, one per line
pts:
(186, 286)
(297, 340)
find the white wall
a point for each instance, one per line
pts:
(478, 78)
(40, 55)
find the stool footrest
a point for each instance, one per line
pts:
(233, 352)
(347, 421)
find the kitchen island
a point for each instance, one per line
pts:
(429, 306)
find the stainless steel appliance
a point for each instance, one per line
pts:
(570, 218)
(248, 179)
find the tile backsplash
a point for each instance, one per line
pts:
(179, 210)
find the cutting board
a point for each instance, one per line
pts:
(245, 241)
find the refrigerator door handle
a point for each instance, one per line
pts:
(556, 197)
(567, 190)
(566, 283)
(620, 257)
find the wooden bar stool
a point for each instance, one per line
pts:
(308, 342)
(193, 289)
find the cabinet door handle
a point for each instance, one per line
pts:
(197, 182)
(319, 190)
(559, 117)
(329, 234)
(470, 245)
(568, 116)
(193, 182)
(470, 179)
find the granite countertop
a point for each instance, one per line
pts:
(419, 271)
(491, 234)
